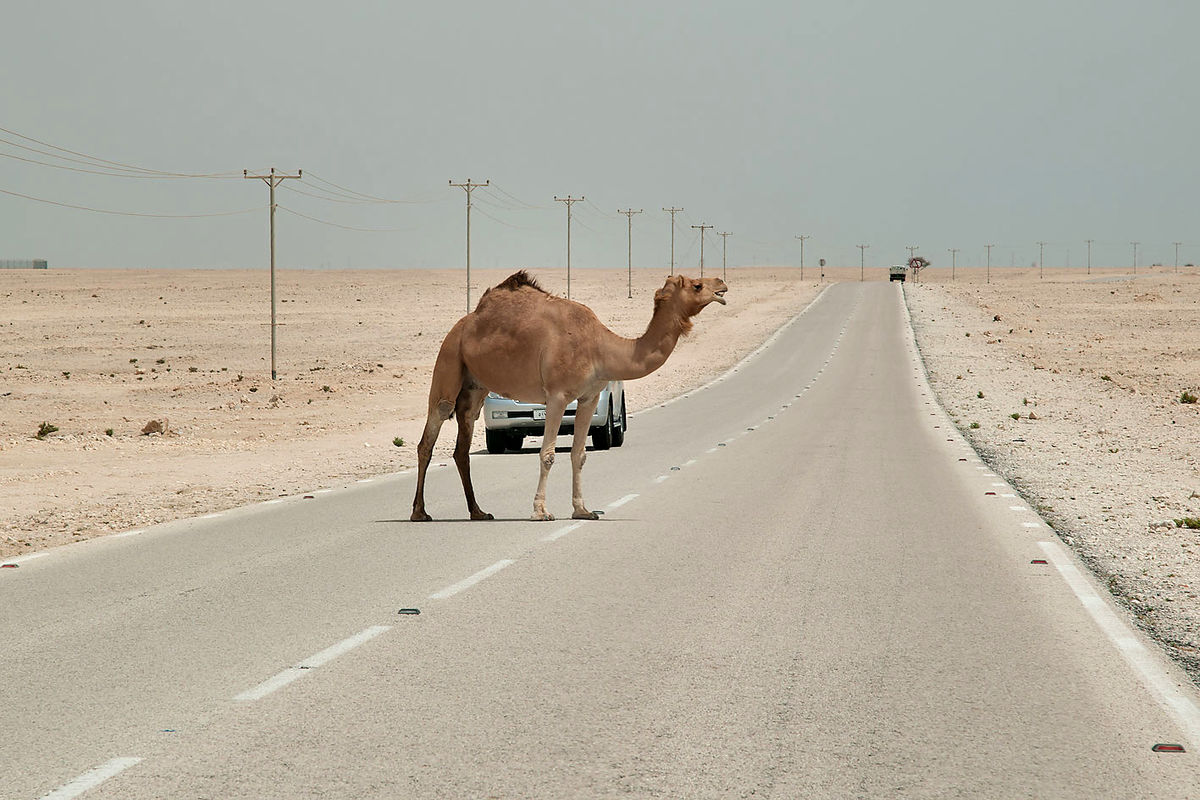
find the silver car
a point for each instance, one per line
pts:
(507, 422)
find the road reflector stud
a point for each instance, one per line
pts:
(1168, 748)
(675, 469)
(720, 444)
(410, 611)
(1039, 561)
(962, 459)
(308, 497)
(989, 494)
(9, 566)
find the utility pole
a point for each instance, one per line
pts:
(272, 180)
(702, 228)
(1135, 244)
(1089, 244)
(1177, 254)
(469, 187)
(1041, 263)
(953, 258)
(862, 261)
(802, 238)
(989, 264)
(570, 201)
(912, 251)
(629, 212)
(672, 212)
(724, 242)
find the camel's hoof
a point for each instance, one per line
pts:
(542, 517)
(477, 515)
(585, 514)
(420, 516)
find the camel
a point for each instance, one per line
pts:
(528, 345)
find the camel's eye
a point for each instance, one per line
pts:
(697, 286)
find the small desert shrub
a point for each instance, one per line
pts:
(193, 369)
(45, 429)
(326, 389)
(1105, 378)
(1015, 415)
(980, 394)
(1188, 522)
(1187, 397)
(108, 431)
(974, 425)
(398, 442)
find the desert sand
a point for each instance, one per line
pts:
(1094, 366)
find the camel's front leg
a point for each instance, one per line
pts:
(583, 416)
(555, 407)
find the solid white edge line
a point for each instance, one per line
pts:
(22, 559)
(561, 532)
(312, 662)
(92, 779)
(622, 501)
(467, 583)
(1164, 690)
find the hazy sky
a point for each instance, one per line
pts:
(939, 124)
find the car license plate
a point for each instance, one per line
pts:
(539, 413)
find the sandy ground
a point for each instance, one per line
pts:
(1093, 367)
(100, 354)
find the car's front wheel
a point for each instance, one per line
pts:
(619, 430)
(602, 436)
(497, 441)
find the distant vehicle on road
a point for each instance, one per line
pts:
(897, 272)
(506, 422)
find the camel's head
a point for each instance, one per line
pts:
(691, 295)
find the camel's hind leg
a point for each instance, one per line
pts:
(439, 412)
(555, 406)
(584, 410)
(470, 399)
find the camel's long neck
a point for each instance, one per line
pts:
(629, 359)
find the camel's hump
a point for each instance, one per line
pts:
(517, 280)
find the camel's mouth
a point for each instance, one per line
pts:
(719, 296)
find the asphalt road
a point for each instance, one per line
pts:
(804, 585)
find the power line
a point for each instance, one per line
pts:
(368, 198)
(129, 213)
(345, 227)
(97, 161)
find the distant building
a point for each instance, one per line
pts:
(23, 263)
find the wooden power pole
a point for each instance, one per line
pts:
(672, 211)
(702, 228)
(724, 251)
(629, 212)
(469, 187)
(273, 179)
(570, 201)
